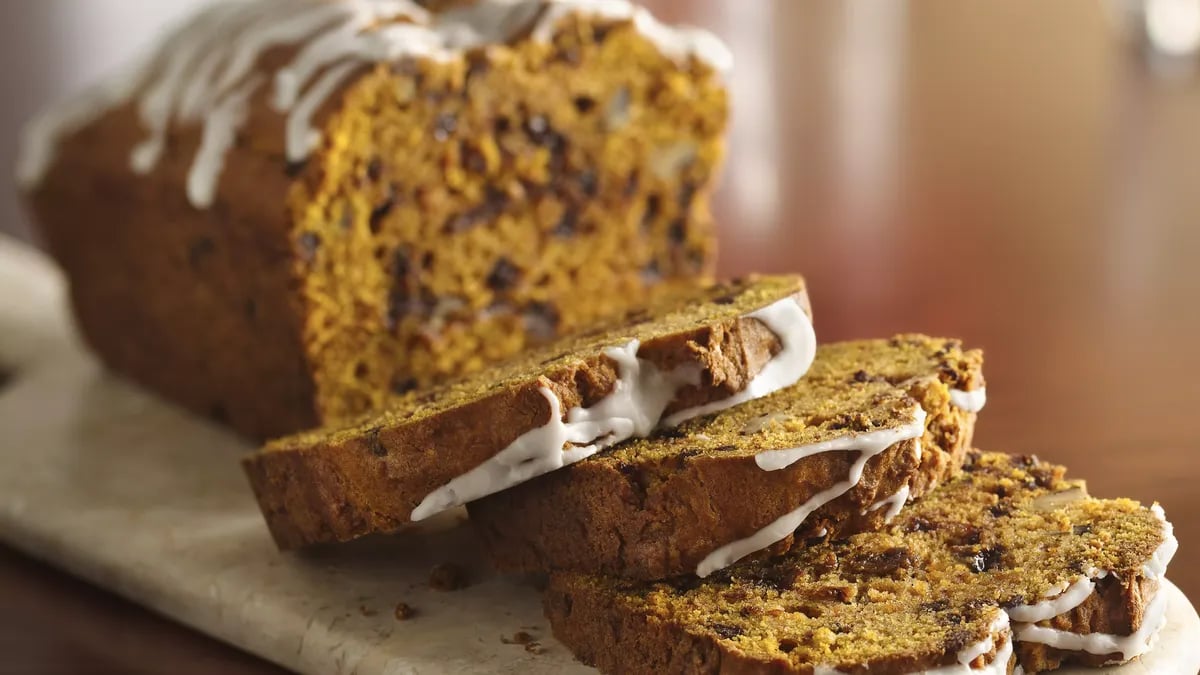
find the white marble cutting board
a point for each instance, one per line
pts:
(103, 480)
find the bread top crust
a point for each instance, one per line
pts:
(1009, 541)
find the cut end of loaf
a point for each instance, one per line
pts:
(462, 211)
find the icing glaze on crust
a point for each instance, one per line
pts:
(634, 406)
(867, 445)
(971, 401)
(1067, 598)
(204, 71)
(1125, 646)
(788, 320)
(895, 503)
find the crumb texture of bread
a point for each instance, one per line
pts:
(660, 506)
(453, 210)
(370, 474)
(933, 587)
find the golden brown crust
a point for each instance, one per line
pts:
(196, 305)
(913, 596)
(314, 291)
(657, 507)
(342, 483)
(592, 624)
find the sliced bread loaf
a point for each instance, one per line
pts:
(1007, 555)
(873, 424)
(698, 351)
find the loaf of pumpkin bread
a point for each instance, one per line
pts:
(292, 211)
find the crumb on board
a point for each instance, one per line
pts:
(447, 577)
(519, 638)
(404, 611)
(535, 648)
(366, 611)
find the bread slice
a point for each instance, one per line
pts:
(871, 425)
(705, 349)
(1009, 552)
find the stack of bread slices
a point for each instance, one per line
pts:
(710, 491)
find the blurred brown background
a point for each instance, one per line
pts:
(1025, 175)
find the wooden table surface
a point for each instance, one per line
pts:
(1011, 172)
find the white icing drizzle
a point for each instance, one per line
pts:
(202, 71)
(1060, 601)
(788, 321)
(895, 503)
(183, 52)
(41, 134)
(351, 40)
(301, 138)
(1128, 646)
(999, 663)
(633, 408)
(219, 135)
(972, 652)
(637, 401)
(867, 444)
(533, 453)
(971, 401)
(271, 30)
